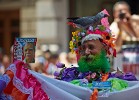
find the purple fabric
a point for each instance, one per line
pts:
(2, 86)
(56, 73)
(60, 65)
(69, 74)
(126, 76)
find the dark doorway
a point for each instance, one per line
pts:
(9, 28)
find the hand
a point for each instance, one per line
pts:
(125, 25)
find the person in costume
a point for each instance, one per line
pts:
(93, 42)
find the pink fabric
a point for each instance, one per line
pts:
(30, 81)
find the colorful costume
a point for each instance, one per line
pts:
(94, 67)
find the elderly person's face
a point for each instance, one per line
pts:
(29, 52)
(92, 47)
(94, 53)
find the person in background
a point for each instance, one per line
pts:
(72, 60)
(6, 61)
(125, 26)
(40, 62)
(47, 54)
(51, 67)
(63, 58)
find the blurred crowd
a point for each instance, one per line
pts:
(45, 61)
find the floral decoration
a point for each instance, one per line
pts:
(107, 38)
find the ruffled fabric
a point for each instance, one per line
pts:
(126, 76)
(118, 84)
(29, 82)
